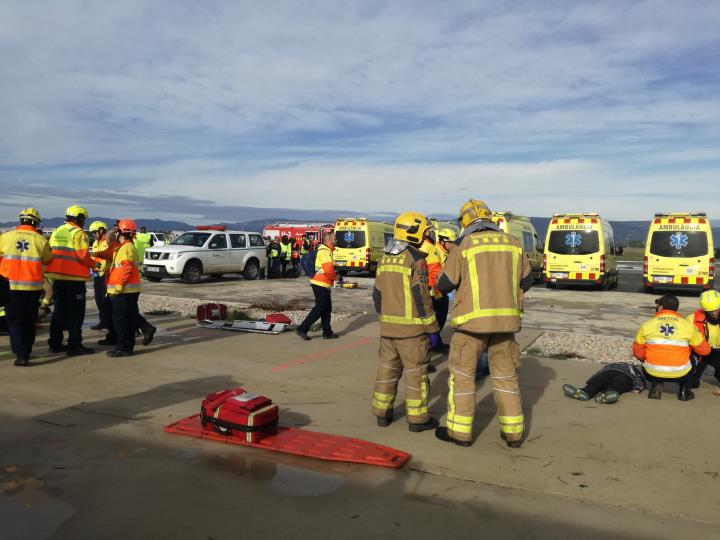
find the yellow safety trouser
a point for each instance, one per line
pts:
(411, 356)
(503, 356)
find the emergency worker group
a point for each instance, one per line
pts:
(36, 273)
(476, 279)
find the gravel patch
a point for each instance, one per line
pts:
(584, 347)
(187, 307)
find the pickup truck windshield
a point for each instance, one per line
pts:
(575, 242)
(194, 239)
(679, 244)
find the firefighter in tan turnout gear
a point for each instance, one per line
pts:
(490, 272)
(402, 299)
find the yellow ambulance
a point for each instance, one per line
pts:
(580, 250)
(679, 253)
(522, 228)
(359, 244)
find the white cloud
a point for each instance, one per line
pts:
(224, 99)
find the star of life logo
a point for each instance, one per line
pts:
(573, 239)
(678, 240)
(22, 245)
(349, 237)
(667, 330)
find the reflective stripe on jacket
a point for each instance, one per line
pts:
(71, 260)
(487, 269)
(664, 343)
(324, 267)
(402, 296)
(124, 276)
(707, 329)
(23, 252)
(98, 247)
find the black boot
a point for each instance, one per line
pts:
(149, 335)
(511, 444)
(384, 421)
(442, 434)
(684, 393)
(656, 389)
(432, 423)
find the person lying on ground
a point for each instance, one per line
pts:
(608, 383)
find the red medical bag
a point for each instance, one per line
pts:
(240, 414)
(278, 318)
(211, 312)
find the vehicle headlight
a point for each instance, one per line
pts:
(175, 255)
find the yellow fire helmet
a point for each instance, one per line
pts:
(411, 227)
(76, 211)
(30, 213)
(96, 225)
(472, 211)
(447, 234)
(710, 300)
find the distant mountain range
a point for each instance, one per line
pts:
(626, 232)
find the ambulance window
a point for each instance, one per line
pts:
(528, 242)
(538, 246)
(679, 244)
(350, 239)
(574, 242)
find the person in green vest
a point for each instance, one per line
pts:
(285, 254)
(143, 240)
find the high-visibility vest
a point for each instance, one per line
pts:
(124, 278)
(274, 250)
(668, 339)
(324, 267)
(286, 250)
(65, 261)
(97, 247)
(142, 242)
(22, 252)
(305, 246)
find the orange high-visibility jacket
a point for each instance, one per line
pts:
(435, 261)
(71, 259)
(23, 252)
(124, 273)
(324, 267)
(706, 328)
(664, 342)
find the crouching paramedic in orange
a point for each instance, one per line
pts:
(490, 272)
(402, 298)
(663, 345)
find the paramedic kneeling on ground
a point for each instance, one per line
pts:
(663, 345)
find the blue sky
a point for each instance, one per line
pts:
(186, 110)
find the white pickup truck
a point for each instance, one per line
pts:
(211, 252)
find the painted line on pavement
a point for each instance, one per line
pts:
(320, 355)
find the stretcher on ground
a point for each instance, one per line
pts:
(260, 327)
(301, 442)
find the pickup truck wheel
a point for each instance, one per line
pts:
(192, 272)
(154, 279)
(252, 270)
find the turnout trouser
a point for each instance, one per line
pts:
(409, 358)
(69, 312)
(125, 320)
(22, 314)
(503, 356)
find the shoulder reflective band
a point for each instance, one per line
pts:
(477, 312)
(408, 318)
